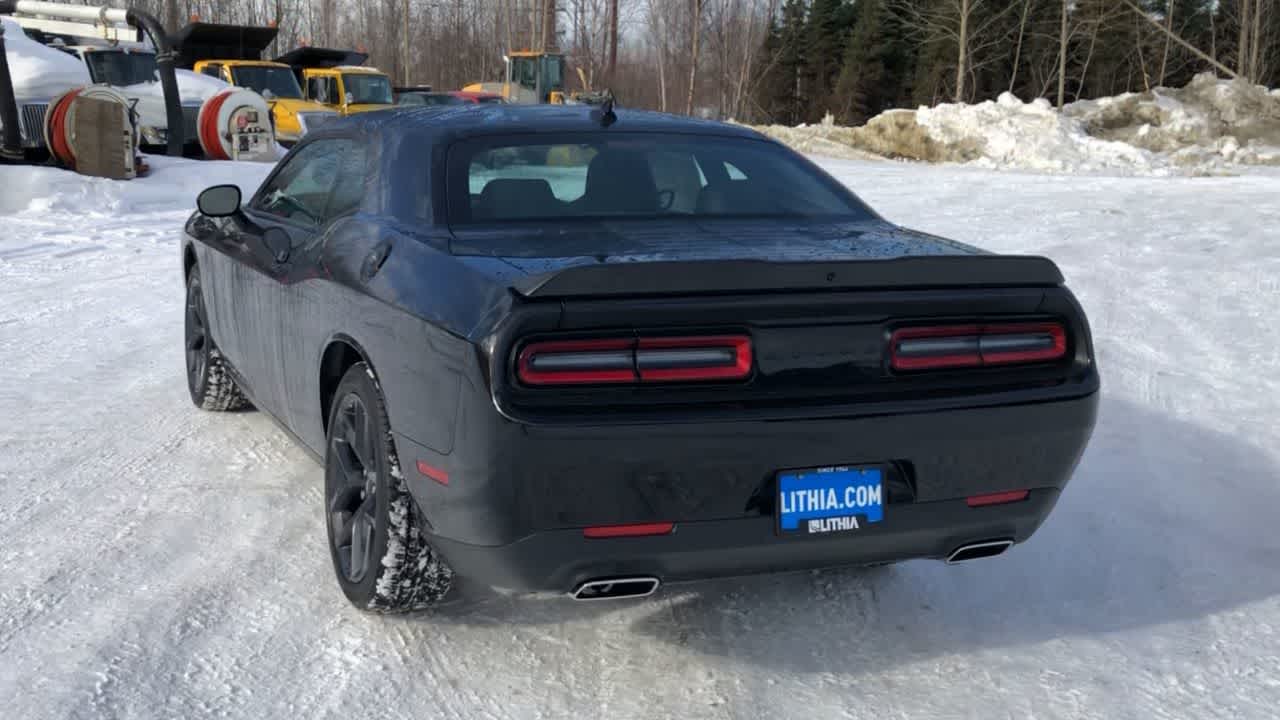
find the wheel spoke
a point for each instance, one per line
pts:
(361, 540)
(348, 465)
(363, 441)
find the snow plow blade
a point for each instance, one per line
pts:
(706, 277)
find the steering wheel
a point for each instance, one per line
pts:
(293, 204)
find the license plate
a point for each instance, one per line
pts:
(832, 499)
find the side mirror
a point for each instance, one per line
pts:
(278, 244)
(219, 201)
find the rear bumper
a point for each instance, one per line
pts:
(561, 560)
(518, 496)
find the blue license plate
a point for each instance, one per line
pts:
(826, 500)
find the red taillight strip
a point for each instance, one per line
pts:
(433, 472)
(967, 346)
(635, 530)
(716, 357)
(635, 360)
(573, 354)
(1001, 498)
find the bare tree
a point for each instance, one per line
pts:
(1017, 53)
(693, 55)
(1177, 39)
(1244, 55)
(613, 39)
(1168, 38)
(958, 21)
(1063, 38)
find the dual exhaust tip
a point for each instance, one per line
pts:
(616, 588)
(974, 551)
(646, 585)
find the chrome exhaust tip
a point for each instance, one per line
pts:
(973, 551)
(616, 588)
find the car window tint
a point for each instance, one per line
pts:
(348, 191)
(505, 177)
(300, 191)
(619, 175)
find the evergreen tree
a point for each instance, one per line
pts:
(826, 34)
(876, 63)
(790, 99)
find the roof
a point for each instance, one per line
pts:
(476, 120)
(247, 63)
(355, 69)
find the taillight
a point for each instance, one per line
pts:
(968, 346)
(635, 360)
(723, 357)
(578, 362)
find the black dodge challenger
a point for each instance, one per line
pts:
(569, 349)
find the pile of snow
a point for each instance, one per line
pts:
(39, 71)
(1211, 126)
(191, 87)
(172, 184)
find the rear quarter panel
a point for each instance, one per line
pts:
(410, 320)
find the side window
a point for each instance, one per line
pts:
(300, 191)
(348, 192)
(323, 90)
(212, 71)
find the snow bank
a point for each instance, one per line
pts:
(173, 183)
(1211, 126)
(38, 71)
(191, 87)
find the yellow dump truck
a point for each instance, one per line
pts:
(233, 54)
(292, 114)
(338, 80)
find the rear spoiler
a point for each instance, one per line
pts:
(729, 276)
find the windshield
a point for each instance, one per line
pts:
(610, 175)
(269, 82)
(554, 77)
(367, 89)
(119, 68)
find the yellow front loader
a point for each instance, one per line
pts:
(536, 77)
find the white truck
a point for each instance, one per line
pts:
(131, 69)
(107, 49)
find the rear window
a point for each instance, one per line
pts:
(611, 176)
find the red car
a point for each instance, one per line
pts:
(451, 97)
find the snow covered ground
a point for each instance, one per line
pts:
(164, 562)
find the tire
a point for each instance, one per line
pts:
(208, 378)
(380, 554)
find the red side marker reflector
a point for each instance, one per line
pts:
(998, 498)
(638, 530)
(433, 472)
